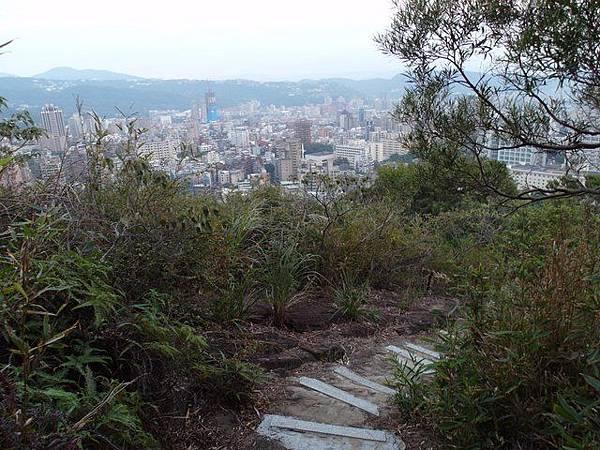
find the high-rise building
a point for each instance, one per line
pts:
(346, 121)
(54, 125)
(294, 152)
(195, 112)
(287, 168)
(53, 122)
(284, 170)
(303, 131)
(75, 126)
(195, 120)
(362, 115)
(212, 112)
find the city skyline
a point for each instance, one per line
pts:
(265, 40)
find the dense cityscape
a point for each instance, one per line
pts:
(240, 148)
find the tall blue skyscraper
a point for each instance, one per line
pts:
(362, 115)
(212, 112)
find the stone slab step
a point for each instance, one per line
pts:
(411, 360)
(297, 434)
(338, 394)
(356, 378)
(427, 353)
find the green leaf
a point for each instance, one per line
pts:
(593, 382)
(566, 411)
(66, 401)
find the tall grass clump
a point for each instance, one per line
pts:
(350, 296)
(287, 274)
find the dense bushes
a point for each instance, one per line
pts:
(58, 389)
(107, 290)
(522, 365)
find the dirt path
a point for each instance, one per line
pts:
(335, 406)
(342, 402)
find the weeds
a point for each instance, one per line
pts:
(350, 297)
(409, 377)
(235, 300)
(287, 272)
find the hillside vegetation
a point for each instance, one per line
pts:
(522, 360)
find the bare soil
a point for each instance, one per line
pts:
(315, 337)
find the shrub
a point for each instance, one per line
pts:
(521, 366)
(231, 379)
(53, 300)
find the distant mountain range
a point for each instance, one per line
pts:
(5, 75)
(105, 91)
(70, 74)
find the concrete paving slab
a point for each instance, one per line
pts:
(411, 360)
(338, 394)
(308, 404)
(352, 376)
(297, 434)
(427, 353)
(336, 430)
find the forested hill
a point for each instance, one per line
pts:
(141, 95)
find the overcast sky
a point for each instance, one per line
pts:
(201, 39)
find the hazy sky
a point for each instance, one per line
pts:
(259, 39)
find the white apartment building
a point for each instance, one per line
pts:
(384, 149)
(236, 176)
(224, 177)
(353, 151)
(521, 156)
(240, 137)
(318, 163)
(532, 177)
(212, 157)
(50, 166)
(165, 121)
(161, 150)
(588, 160)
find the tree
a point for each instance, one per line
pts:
(432, 188)
(15, 131)
(537, 92)
(316, 147)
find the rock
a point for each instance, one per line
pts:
(287, 360)
(358, 329)
(325, 351)
(271, 342)
(313, 314)
(420, 321)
